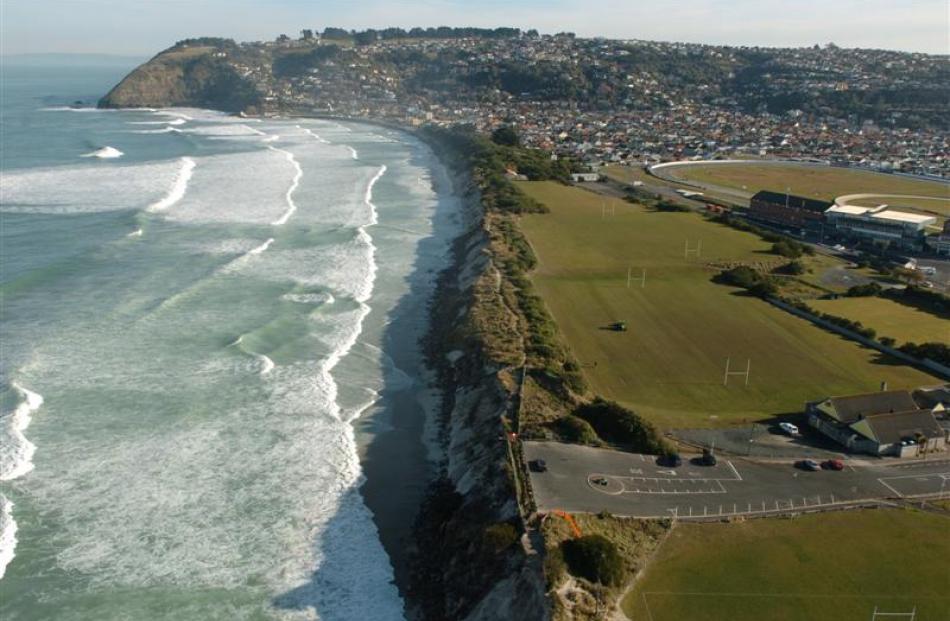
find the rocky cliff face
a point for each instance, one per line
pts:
(474, 561)
(197, 76)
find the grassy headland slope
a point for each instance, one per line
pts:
(186, 75)
(669, 365)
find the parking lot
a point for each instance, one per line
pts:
(586, 479)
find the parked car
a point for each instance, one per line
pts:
(708, 458)
(832, 464)
(538, 465)
(808, 464)
(789, 428)
(673, 460)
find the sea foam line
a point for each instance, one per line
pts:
(289, 196)
(179, 186)
(327, 366)
(315, 136)
(8, 529)
(16, 458)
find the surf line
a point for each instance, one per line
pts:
(362, 297)
(289, 196)
(21, 460)
(179, 186)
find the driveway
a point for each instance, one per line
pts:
(590, 480)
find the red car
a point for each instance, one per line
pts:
(832, 464)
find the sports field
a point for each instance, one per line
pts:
(822, 182)
(889, 318)
(669, 365)
(829, 567)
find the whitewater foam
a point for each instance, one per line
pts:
(174, 121)
(164, 130)
(261, 248)
(179, 186)
(289, 196)
(16, 452)
(105, 153)
(353, 152)
(8, 529)
(136, 233)
(314, 135)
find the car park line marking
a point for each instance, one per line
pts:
(734, 471)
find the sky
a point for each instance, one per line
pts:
(144, 27)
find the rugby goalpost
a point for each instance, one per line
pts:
(880, 614)
(729, 372)
(642, 279)
(697, 251)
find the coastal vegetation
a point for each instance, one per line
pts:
(587, 574)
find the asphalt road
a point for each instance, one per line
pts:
(636, 486)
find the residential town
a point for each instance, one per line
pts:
(599, 100)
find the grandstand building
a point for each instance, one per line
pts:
(903, 229)
(787, 211)
(941, 243)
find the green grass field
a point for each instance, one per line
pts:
(682, 327)
(831, 567)
(820, 182)
(888, 318)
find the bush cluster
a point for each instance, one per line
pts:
(622, 427)
(594, 558)
(577, 430)
(938, 352)
(748, 279)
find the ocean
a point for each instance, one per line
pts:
(204, 322)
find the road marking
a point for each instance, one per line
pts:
(636, 471)
(734, 471)
(881, 481)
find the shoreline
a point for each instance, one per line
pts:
(396, 437)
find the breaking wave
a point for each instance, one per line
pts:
(289, 196)
(105, 153)
(16, 452)
(179, 186)
(7, 534)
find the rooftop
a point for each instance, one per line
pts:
(881, 212)
(850, 409)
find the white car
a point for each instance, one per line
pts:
(789, 428)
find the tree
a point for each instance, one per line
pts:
(306, 34)
(283, 38)
(507, 136)
(595, 558)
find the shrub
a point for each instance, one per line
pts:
(618, 425)
(594, 558)
(938, 352)
(749, 279)
(887, 341)
(574, 429)
(863, 291)
(506, 135)
(794, 268)
(670, 206)
(499, 537)
(787, 249)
